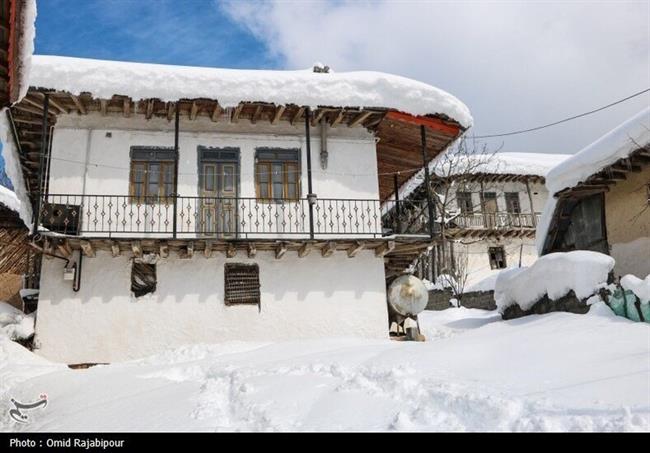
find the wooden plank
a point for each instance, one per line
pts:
(207, 250)
(115, 249)
(297, 116)
(304, 250)
(360, 118)
(355, 248)
(235, 114)
(256, 114)
(280, 250)
(136, 248)
(279, 110)
(87, 249)
(338, 118)
(216, 112)
(194, 110)
(64, 248)
(81, 108)
(385, 248)
(252, 251)
(328, 249)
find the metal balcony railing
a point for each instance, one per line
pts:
(228, 218)
(497, 220)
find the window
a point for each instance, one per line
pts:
(152, 174)
(497, 257)
(143, 278)
(465, 204)
(277, 174)
(512, 203)
(242, 284)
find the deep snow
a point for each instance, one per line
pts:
(476, 372)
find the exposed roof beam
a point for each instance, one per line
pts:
(338, 118)
(171, 107)
(126, 107)
(279, 110)
(194, 110)
(149, 112)
(80, 107)
(216, 112)
(103, 106)
(256, 114)
(236, 113)
(297, 115)
(360, 118)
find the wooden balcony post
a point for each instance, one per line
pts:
(532, 208)
(423, 139)
(398, 213)
(40, 192)
(176, 159)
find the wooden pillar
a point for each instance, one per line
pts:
(176, 159)
(532, 207)
(398, 212)
(39, 200)
(423, 140)
(311, 197)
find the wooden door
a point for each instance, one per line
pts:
(490, 209)
(218, 204)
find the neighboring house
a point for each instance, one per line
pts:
(492, 205)
(183, 205)
(601, 199)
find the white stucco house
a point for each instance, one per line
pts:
(179, 205)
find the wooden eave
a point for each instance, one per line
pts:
(398, 134)
(602, 180)
(10, 26)
(496, 178)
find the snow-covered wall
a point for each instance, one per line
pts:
(103, 322)
(518, 251)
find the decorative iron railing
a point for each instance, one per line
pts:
(128, 216)
(496, 220)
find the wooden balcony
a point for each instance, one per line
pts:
(494, 224)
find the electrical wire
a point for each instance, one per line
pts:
(555, 123)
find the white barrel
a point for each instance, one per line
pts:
(407, 295)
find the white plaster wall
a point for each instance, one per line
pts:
(478, 261)
(87, 161)
(632, 257)
(103, 322)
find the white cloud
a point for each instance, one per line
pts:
(516, 65)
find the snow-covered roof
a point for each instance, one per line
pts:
(507, 163)
(9, 199)
(614, 145)
(26, 47)
(17, 201)
(231, 86)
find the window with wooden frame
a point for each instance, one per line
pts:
(152, 173)
(277, 174)
(464, 201)
(513, 206)
(241, 284)
(143, 278)
(497, 257)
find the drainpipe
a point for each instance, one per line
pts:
(311, 197)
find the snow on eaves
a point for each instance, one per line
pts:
(616, 144)
(231, 86)
(609, 148)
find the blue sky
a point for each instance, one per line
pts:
(188, 32)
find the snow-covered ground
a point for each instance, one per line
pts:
(476, 372)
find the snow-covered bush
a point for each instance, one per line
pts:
(555, 274)
(15, 324)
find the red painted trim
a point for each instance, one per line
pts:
(432, 123)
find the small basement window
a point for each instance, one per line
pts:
(242, 284)
(143, 279)
(497, 257)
